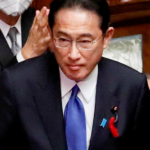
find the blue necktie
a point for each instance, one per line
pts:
(75, 122)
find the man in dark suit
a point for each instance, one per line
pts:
(22, 21)
(35, 104)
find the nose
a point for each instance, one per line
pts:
(74, 52)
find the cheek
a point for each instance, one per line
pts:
(61, 56)
(94, 56)
(61, 52)
(98, 52)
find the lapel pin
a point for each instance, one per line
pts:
(112, 127)
(103, 123)
(114, 109)
(112, 120)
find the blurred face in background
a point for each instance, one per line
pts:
(14, 7)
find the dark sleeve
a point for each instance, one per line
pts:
(12, 62)
(8, 118)
(8, 63)
(140, 139)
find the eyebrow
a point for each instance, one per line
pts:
(61, 32)
(81, 35)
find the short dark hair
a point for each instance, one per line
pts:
(100, 7)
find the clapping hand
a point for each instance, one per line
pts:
(39, 36)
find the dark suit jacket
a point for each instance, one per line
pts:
(31, 115)
(6, 56)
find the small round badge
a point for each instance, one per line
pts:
(114, 109)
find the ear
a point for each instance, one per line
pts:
(108, 36)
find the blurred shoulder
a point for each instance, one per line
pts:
(30, 11)
(32, 66)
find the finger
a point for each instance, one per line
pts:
(47, 40)
(37, 12)
(45, 32)
(42, 13)
(43, 44)
(43, 22)
(47, 12)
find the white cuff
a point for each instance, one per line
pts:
(19, 57)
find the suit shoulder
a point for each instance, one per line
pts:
(28, 16)
(117, 77)
(29, 12)
(120, 71)
(117, 66)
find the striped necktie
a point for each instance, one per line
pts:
(12, 34)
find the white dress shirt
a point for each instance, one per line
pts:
(86, 94)
(5, 29)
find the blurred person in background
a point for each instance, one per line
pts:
(17, 16)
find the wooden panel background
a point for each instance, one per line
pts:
(38, 4)
(129, 17)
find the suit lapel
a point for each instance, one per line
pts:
(50, 109)
(6, 54)
(105, 100)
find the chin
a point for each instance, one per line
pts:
(74, 75)
(75, 78)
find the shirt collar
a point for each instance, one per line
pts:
(4, 27)
(87, 86)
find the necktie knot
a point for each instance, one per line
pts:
(75, 91)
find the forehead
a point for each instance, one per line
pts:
(77, 21)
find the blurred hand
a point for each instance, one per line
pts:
(39, 36)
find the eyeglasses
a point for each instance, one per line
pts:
(81, 44)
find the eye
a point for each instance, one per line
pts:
(84, 41)
(63, 40)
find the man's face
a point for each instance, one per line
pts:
(82, 26)
(14, 7)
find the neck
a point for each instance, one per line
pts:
(10, 20)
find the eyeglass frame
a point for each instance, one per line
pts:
(92, 42)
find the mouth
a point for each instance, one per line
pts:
(74, 67)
